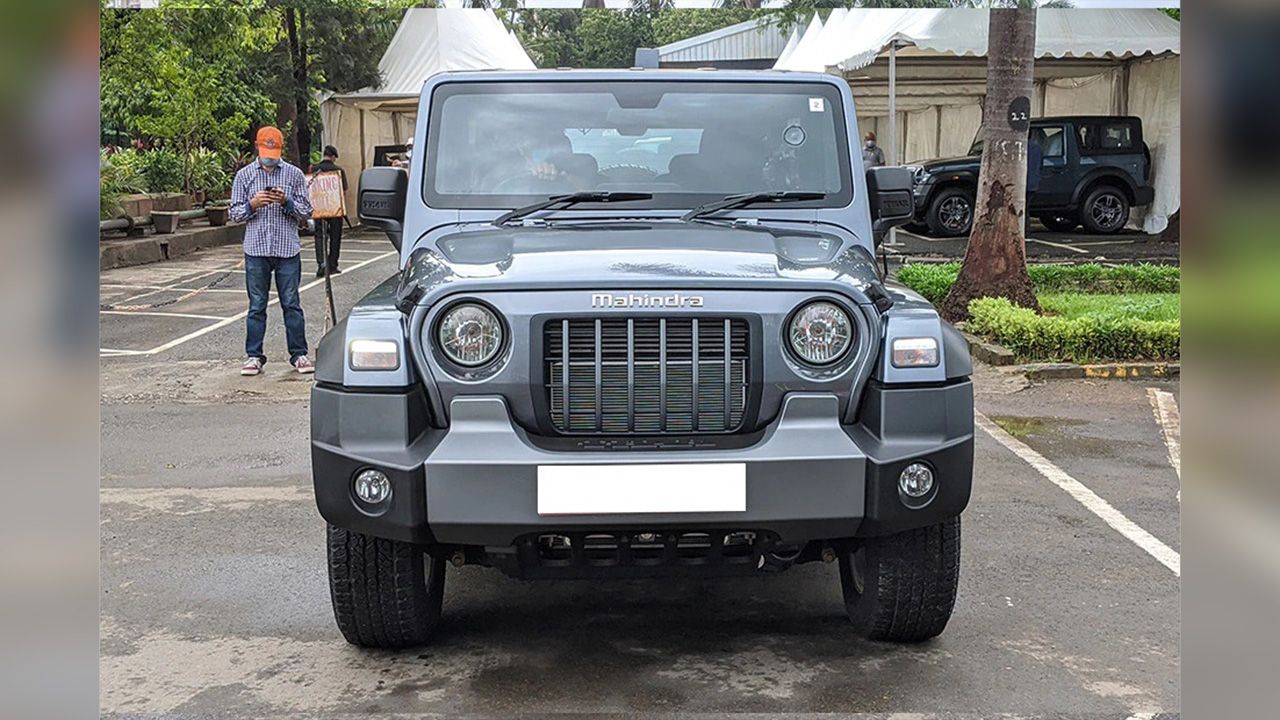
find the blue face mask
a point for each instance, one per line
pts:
(269, 162)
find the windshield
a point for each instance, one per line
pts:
(502, 145)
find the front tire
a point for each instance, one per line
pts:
(386, 594)
(902, 588)
(951, 213)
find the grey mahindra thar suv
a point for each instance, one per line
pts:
(638, 331)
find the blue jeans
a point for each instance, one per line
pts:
(257, 279)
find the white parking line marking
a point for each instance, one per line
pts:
(159, 314)
(1165, 407)
(240, 315)
(1164, 554)
(1058, 245)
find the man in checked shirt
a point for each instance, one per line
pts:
(270, 196)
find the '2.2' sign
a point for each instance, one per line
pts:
(1020, 114)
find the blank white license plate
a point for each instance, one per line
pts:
(625, 489)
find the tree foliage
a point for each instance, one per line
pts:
(195, 73)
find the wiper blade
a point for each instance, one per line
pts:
(556, 201)
(734, 201)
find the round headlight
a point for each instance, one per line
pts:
(470, 335)
(820, 333)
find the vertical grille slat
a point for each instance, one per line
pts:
(599, 381)
(646, 375)
(662, 375)
(728, 363)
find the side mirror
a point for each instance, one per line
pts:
(889, 195)
(381, 200)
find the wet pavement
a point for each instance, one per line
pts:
(215, 601)
(1045, 246)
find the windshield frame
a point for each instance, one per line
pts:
(662, 202)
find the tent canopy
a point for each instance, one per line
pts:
(430, 41)
(855, 39)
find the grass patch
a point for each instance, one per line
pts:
(1091, 314)
(934, 281)
(1111, 308)
(1084, 328)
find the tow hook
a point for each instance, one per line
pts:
(778, 559)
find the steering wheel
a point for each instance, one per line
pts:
(627, 173)
(527, 182)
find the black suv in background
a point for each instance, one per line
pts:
(1094, 170)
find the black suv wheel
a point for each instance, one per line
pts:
(1059, 223)
(1105, 210)
(951, 213)
(902, 587)
(386, 594)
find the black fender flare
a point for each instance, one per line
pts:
(1105, 176)
(966, 179)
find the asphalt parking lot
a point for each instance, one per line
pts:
(215, 601)
(1046, 246)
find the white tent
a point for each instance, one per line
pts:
(428, 41)
(1124, 62)
(792, 42)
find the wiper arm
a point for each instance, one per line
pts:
(556, 201)
(734, 201)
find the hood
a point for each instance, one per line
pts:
(964, 161)
(637, 255)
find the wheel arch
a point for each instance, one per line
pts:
(1104, 177)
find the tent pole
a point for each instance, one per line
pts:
(892, 158)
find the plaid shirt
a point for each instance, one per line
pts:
(271, 230)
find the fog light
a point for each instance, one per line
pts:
(916, 480)
(373, 486)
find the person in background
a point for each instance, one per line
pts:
(404, 161)
(329, 229)
(270, 196)
(872, 155)
(1035, 158)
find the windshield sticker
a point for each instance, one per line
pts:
(817, 105)
(793, 135)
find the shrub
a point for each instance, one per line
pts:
(931, 281)
(116, 176)
(935, 281)
(1085, 338)
(161, 168)
(207, 171)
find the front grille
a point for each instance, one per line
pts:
(651, 376)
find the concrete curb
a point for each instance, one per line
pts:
(989, 352)
(1103, 371)
(1000, 356)
(155, 248)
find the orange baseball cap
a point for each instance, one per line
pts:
(270, 142)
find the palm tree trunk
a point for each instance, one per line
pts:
(995, 262)
(296, 28)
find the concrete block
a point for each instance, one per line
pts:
(125, 253)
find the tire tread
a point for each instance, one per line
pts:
(386, 594)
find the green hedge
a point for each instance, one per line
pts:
(1086, 338)
(935, 281)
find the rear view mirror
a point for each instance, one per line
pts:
(381, 200)
(890, 198)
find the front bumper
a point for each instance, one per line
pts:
(808, 477)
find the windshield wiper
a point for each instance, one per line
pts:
(735, 201)
(558, 201)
